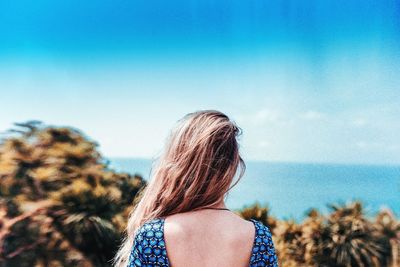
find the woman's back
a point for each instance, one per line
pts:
(203, 238)
(172, 224)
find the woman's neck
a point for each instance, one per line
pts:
(220, 204)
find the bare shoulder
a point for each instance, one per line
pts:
(224, 237)
(176, 227)
(228, 224)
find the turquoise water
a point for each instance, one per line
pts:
(290, 189)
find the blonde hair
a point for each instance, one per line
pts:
(195, 170)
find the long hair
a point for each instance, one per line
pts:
(195, 170)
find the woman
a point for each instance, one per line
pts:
(181, 219)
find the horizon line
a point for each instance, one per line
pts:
(281, 162)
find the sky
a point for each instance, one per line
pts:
(307, 81)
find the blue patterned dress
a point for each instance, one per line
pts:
(149, 246)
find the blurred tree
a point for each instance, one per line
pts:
(258, 212)
(388, 234)
(290, 250)
(312, 236)
(60, 203)
(350, 239)
(343, 238)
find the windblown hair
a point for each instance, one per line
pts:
(195, 170)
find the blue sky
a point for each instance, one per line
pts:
(309, 81)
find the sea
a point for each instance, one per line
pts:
(290, 190)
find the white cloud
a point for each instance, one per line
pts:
(312, 115)
(361, 144)
(264, 144)
(393, 148)
(267, 115)
(360, 122)
(369, 145)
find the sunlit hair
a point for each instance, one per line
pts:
(195, 170)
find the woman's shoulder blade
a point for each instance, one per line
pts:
(149, 247)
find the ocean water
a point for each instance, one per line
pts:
(291, 189)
